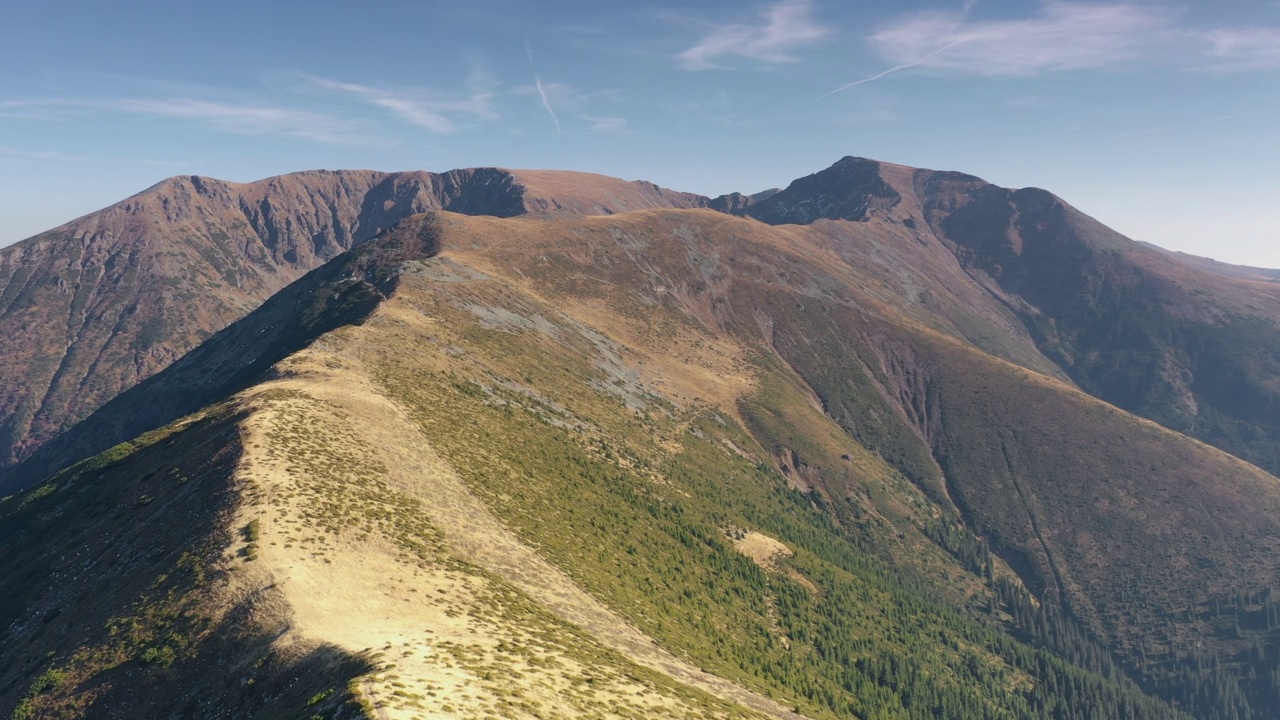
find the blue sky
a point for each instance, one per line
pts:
(1158, 118)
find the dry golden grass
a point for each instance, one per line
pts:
(475, 624)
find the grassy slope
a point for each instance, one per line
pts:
(377, 545)
(272, 539)
(628, 397)
(116, 597)
(631, 490)
(300, 548)
(1128, 510)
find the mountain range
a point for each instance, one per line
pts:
(888, 442)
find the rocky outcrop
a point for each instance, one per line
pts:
(849, 190)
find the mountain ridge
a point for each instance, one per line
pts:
(626, 395)
(140, 283)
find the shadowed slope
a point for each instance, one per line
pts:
(119, 598)
(1242, 272)
(341, 292)
(1188, 343)
(1193, 350)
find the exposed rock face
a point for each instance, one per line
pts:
(848, 190)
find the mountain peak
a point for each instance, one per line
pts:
(848, 190)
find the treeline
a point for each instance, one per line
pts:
(1235, 675)
(832, 629)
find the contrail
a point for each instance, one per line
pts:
(528, 49)
(892, 70)
(546, 103)
(1179, 125)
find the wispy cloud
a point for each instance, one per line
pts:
(573, 110)
(537, 81)
(6, 151)
(895, 68)
(1248, 49)
(252, 119)
(20, 115)
(606, 124)
(1065, 36)
(1178, 126)
(770, 37)
(417, 107)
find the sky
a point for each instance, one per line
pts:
(1158, 118)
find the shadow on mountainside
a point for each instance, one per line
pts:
(343, 292)
(116, 601)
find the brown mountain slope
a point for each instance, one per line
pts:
(1187, 349)
(1043, 470)
(1243, 272)
(1136, 531)
(1193, 350)
(1190, 346)
(906, 348)
(93, 307)
(565, 466)
(580, 193)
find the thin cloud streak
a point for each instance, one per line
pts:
(6, 151)
(595, 111)
(607, 124)
(786, 25)
(1250, 49)
(29, 116)
(1064, 36)
(413, 106)
(1179, 126)
(894, 69)
(537, 81)
(229, 117)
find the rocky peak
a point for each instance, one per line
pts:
(848, 190)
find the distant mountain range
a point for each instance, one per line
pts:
(888, 442)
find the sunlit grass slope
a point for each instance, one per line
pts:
(662, 464)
